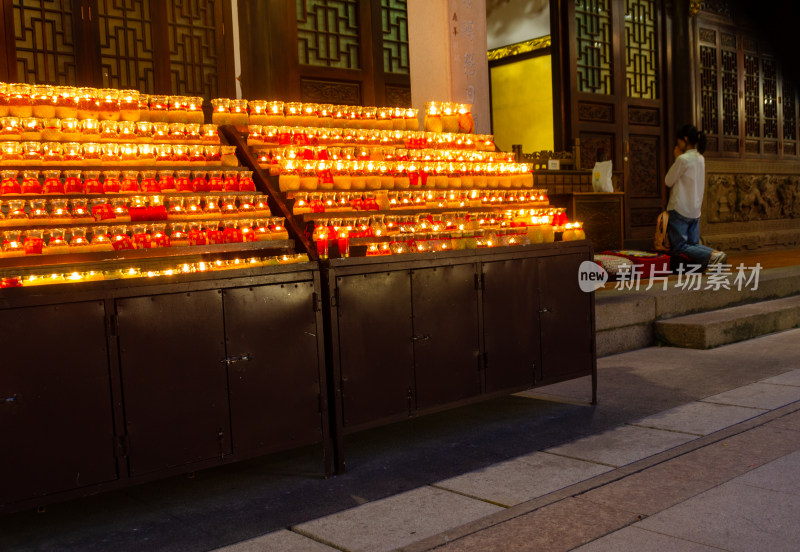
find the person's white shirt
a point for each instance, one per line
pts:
(687, 180)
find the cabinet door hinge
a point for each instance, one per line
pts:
(113, 325)
(335, 298)
(121, 446)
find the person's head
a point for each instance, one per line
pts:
(688, 137)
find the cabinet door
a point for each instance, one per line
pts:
(446, 341)
(55, 400)
(174, 383)
(375, 350)
(274, 393)
(510, 323)
(565, 318)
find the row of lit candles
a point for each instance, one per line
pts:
(55, 241)
(321, 202)
(60, 210)
(67, 102)
(93, 130)
(15, 153)
(88, 182)
(379, 153)
(284, 136)
(240, 113)
(183, 268)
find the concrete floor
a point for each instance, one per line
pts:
(676, 433)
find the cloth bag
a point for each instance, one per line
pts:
(601, 177)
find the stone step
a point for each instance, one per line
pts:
(719, 327)
(625, 319)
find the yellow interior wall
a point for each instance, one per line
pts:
(522, 104)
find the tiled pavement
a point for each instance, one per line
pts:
(687, 450)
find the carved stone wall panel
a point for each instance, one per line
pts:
(644, 181)
(601, 112)
(643, 116)
(332, 92)
(591, 143)
(752, 197)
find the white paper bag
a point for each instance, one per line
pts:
(601, 177)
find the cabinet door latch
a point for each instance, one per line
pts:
(424, 337)
(239, 358)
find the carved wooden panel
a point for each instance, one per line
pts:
(770, 97)
(644, 216)
(727, 40)
(730, 145)
(339, 93)
(790, 148)
(194, 55)
(126, 46)
(752, 105)
(789, 111)
(643, 116)
(730, 94)
(602, 219)
(709, 113)
(712, 143)
(590, 111)
(44, 41)
(644, 180)
(751, 146)
(591, 143)
(770, 147)
(718, 7)
(398, 96)
(708, 35)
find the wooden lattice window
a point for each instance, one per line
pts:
(770, 89)
(709, 91)
(194, 52)
(730, 93)
(328, 33)
(126, 45)
(394, 26)
(789, 111)
(752, 111)
(45, 45)
(593, 34)
(641, 74)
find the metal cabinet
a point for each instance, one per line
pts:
(566, 318)
(445, 334)
(406, 340)
(510, 323)
(175, 388)
(55, 401)
(274, 361)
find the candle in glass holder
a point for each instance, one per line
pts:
(289, 178)
(128, 101)
(91, 153)
(31, 129)
(130, 182)
(177, 132)
(181, 153)
(89, 130)
(178, 236)
(30, 183)
(215, 181)
(142, 239)
(66, 104)
(221, 114)
(88, 104)
(43, 100)
(384, 118)
(57, 243)
(411, 119)
(159, 109)
(111, 183)
(258, 113)
(108, 131)
(80, 210)
(228, 156)
(19, 100)
(176, 110)
(163, 154)
(160, 132)
(144, 107)
(52, 153)
(194, 110)
(17, 216)
(238, 115)
(31, 153)
(158, 235)
(100, 239)
(433, 117)
(10, 128)
(293, 113)
(108, 104)
(127, 153)
(144, 131)
(91, 182)
(320, 237)
(209, 134)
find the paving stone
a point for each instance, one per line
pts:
(634, 539)
(524, 478)
(622, 445)
(559, 527)
(699, 418)
(789, 378)
(397, 521)
(790, 421)
(285, 541)
(734, 517)
(773, 476)
(758, 395)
